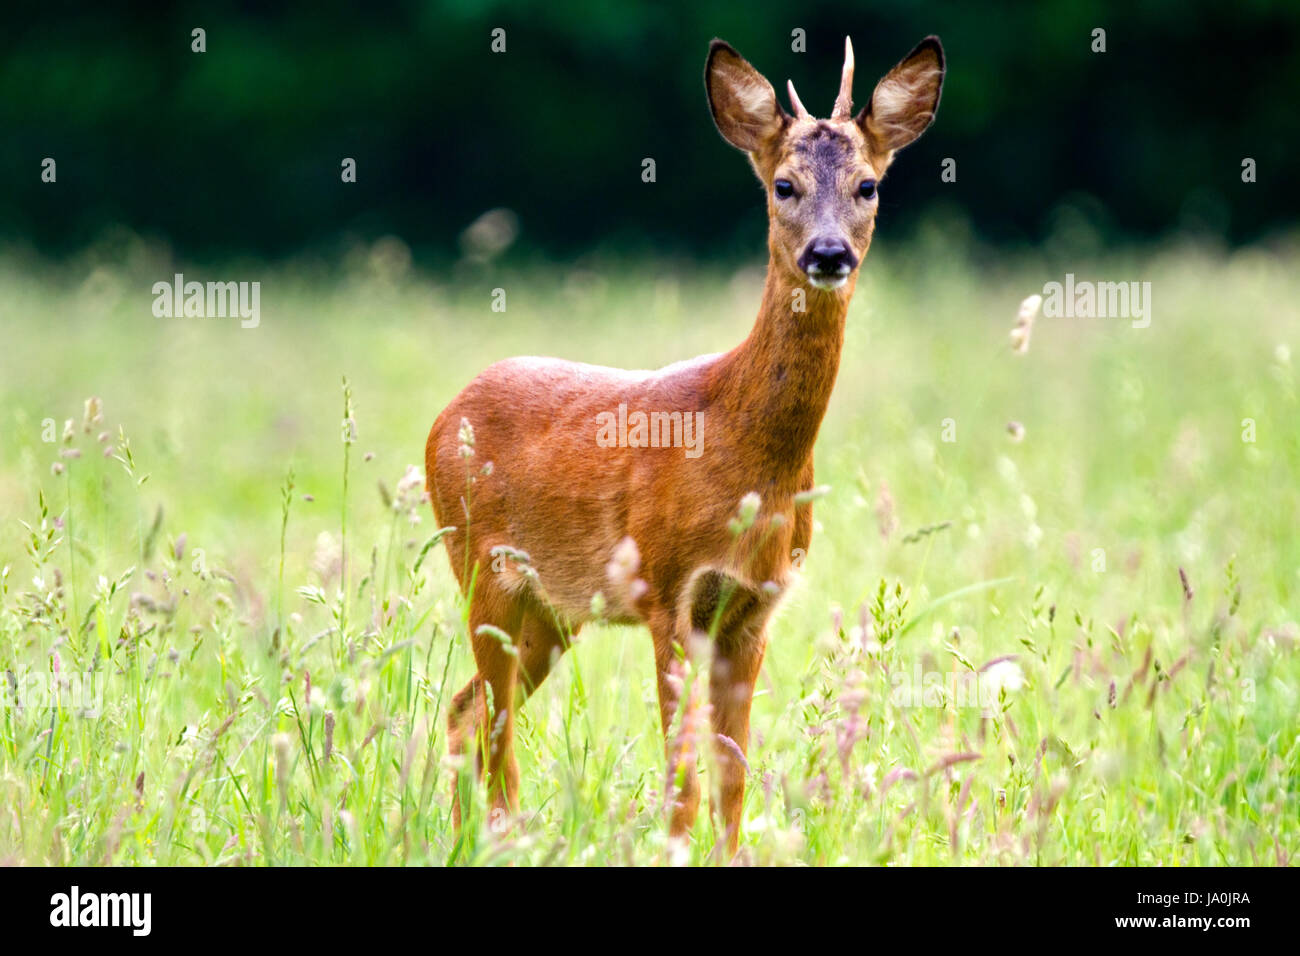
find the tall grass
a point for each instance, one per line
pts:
(1074, 642)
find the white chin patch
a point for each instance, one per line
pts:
(828, 282)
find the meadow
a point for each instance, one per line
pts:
(1049, 615)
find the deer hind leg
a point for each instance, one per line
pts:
(480, 721)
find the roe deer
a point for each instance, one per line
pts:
(572, 503)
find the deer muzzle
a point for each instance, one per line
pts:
(827, 262)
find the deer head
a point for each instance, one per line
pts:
(822, 176)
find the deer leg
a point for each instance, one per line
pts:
(481, 716)
(683, 784)
(541, 643)
(467, 713)
(731, 614)
(732, 677)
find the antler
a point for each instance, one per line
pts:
(844, 102)
(799, 111)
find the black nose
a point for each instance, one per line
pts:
(827, 256)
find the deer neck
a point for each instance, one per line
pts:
(775, 386)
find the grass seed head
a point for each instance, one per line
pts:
(1024, 326)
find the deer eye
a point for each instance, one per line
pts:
(784, 188)
(867, 189)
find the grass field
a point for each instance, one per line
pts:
(264, 702)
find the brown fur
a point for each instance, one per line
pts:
(568, 503)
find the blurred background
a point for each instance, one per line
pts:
(237, 150)
(180, 509)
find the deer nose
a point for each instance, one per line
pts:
(827, 257)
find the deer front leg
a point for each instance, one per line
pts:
(732, 678)
(683, 785)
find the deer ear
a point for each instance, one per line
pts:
(743, 103)
(905, 100)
